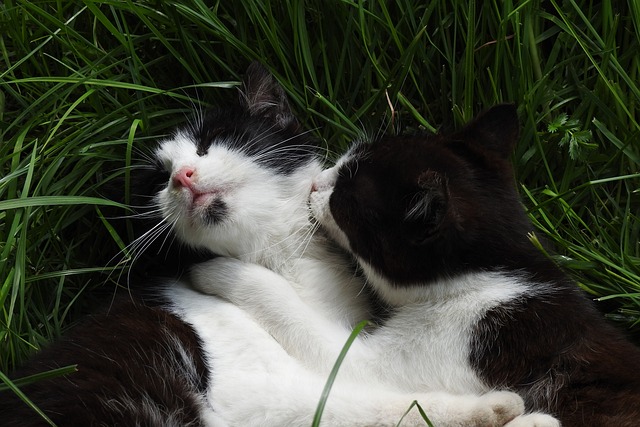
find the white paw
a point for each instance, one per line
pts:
(494, 409)
(504, 406)
(220, 276)
(534, 420)
(247, 285)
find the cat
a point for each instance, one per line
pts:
(234, 182)
(436, 224)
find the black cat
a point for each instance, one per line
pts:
(438, 228)
(439, 219)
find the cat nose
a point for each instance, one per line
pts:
(184, 178)
(325, 180)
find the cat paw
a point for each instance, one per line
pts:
(220, 276)
(534, 420)
(238, 282)
(504, 406)
(493, 409)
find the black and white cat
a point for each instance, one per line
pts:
(438, 228)
(235, 183)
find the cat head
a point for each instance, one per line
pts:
(236, 180)
(413, 209)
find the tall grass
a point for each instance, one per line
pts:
(85, 85)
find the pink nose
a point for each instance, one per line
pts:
(184, 177)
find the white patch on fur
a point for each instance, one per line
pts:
(254, 382)
(430, 329)
(534, 420)
(424, 345)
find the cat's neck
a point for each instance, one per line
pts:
(300, 242)
(322, 275)
(279, 250)
(459, 286)
(282, 231)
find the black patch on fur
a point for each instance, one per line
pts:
(462, 184)
(419, 208)
(216, 211)
(262, 126)
(127, 355)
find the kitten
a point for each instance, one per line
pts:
(438, 229)
(235, 183)
(438, 222)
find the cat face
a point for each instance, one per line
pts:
(414, 209)
(237, 180)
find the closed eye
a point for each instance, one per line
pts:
(162, 170)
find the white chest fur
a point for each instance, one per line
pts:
(254, 382)
(426, 343)
(423, 346)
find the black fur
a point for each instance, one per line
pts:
(421, 208)
(126, 355)
(261, 122)
(260, 125)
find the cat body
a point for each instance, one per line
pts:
(243, 193)
(137, 365)
(438, 220)
(451, 229)
(235, 183)
(438, 228)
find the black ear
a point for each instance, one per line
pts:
(497, 129)
(263, 96)
(427, 208)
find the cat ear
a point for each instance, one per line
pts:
(497, 129)
(263, 96)
(428, 207)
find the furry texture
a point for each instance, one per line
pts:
(137, 366)
(423, 216)
(399, 357)
(437, 227)
(235, 183)
(263, 176)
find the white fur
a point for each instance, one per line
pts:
(423, 346)
(254, 195)
(253, 380)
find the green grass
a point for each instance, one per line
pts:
(85, 85)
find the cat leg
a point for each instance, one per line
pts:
(286, 393)
(258, 398)
(272, 301)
